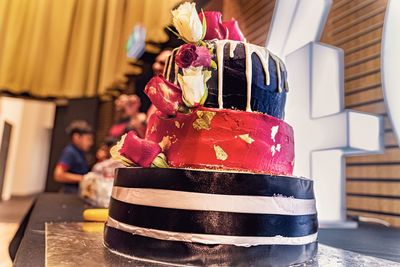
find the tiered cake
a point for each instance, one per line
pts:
(214, 184)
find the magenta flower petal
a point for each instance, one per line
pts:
(166, 96)
(215, 28)
(204, 57)
(234, 32)
(186, 55)
(139, 151)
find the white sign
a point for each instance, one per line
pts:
(324, 132)
(390, 60)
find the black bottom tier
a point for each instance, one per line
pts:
(182, 253)
(212, 218)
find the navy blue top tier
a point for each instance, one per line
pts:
(241, 61)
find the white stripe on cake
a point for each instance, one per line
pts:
(241, 241)
(214, 202)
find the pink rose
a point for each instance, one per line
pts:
(234, 32)
(186, 55)
(139, 151)
(215, 28)
(166, 96)
(203, 57)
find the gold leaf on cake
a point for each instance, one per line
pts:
(165, 143)
(246, 138)
(220, 153)
(203, 122)
(153, 129)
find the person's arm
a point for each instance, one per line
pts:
(65, 163)
(63, 176)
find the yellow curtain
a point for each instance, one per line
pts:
(72, 48)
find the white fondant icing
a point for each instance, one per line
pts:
(278, 72)
(168, 66)
(263, 55)
(232, 47)
(220, 60)
(176, 69)
(249, 74)
(283, 69)
(214, 202)
(241, 241)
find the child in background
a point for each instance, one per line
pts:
(72, 164)
(103, 153)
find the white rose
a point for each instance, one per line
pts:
(187, 22)
(193, 85)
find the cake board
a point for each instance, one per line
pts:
(81, 244)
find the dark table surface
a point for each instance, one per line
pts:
(367, 239)
(49, 207)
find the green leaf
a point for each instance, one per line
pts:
(204, 98)
(178, 35)
(114, 151)
(160, 161)
(204, 25)
(174, 32)
(207, 76)
(213, 64)
(201, 43)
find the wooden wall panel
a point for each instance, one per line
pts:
(383, 205)
(367, 188)
(373, 181)
(254, 17)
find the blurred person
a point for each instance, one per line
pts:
(103, 152)
(132, 118)
(105, 165)
(72, 164)
(159, 64)
(158, 68)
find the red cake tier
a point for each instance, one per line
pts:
(209, 138)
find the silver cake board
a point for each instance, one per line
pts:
(81, 244)
(338, 224)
